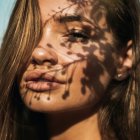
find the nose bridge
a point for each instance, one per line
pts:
(43, 53)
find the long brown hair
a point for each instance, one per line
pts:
(22, 35)
(120, 110)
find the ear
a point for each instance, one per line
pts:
(124, 62)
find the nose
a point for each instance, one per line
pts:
(42, 55)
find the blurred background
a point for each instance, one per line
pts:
(6, 7)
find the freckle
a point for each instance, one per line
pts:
(48, 98)
(63, 72)
(30, 103)
(23, 86)
(35, 96)
(53, 11)
(49, 45)
(48, 67)
(70, 80)
(83, 89)
(69, 52)
(63, 44)
(80, 55)
(83, 81)
(84, 70)
(65, 95)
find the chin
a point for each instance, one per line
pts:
(56, 105)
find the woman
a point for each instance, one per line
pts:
(69, 71)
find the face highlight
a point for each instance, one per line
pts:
(75, 59)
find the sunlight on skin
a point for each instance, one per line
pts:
(82, 48)
(71, 68)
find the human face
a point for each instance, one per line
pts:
(75, 59)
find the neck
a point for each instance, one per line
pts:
(75, 125)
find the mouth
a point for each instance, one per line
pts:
(40, 81)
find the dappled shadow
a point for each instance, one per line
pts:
(97, 56)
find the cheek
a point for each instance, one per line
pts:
(87, 83)
(90, 79)
(97, 68)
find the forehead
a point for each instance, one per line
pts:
(87, 8)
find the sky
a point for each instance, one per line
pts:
(6, 7)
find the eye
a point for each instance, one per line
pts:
(76, 35)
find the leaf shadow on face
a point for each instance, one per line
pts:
(94, 66)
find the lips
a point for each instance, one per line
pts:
(40, 80)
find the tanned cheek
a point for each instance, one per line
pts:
(97, 42)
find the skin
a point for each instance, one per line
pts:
(80, 53)
(70, 59)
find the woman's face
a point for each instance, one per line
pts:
(75, 59)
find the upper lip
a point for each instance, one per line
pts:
(41, 75)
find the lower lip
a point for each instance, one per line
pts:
(41, 86)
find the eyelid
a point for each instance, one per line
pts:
(76, 36)
(80, 31)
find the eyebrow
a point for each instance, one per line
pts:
(72, 18)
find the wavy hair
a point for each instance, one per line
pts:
(120, 110)
(22, 35)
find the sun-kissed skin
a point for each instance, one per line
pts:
(78, 56)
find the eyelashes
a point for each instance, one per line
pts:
(77, 35)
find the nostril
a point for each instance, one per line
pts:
(36, 61)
